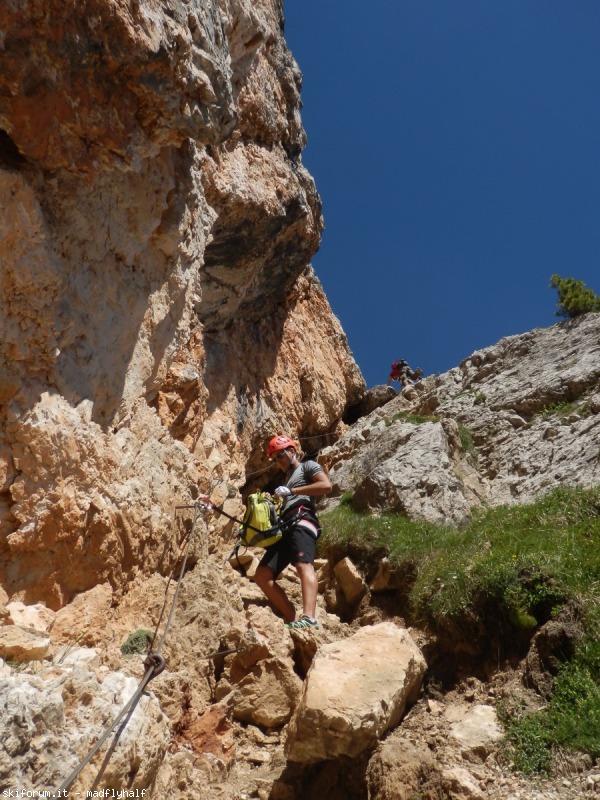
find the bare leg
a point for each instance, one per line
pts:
(310, 588)
(265, 579)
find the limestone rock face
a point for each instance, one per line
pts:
(508, 424)
(91, 506)
(404, 467)
(355, 690)
(63, 712)
(258, 378)
(94, 83)
(160, 321)
(268, 695)
(160, 317)
(259, 681)
(532, 403)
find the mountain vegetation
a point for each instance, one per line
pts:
(509, 571)
(574, 297)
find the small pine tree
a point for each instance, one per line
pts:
(574, 298)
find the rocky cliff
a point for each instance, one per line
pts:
(160, 317)
(509, 423)
(160, 321)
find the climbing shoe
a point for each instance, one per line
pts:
(303, 622)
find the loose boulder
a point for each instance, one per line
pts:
(356, 690)
(477, 732)
(21, 644)
(350, 580)
(402, 770)
(37, 616)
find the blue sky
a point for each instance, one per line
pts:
(456, 148)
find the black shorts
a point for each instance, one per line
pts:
(297, 546)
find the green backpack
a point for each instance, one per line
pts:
(259, 526)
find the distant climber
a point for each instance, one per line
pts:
(401, 372)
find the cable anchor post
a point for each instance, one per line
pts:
(156, 662)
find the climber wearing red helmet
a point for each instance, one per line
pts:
(279, 443)
(303, 483)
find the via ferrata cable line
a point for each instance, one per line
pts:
(155, 663)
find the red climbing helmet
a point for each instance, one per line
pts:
(278, 443)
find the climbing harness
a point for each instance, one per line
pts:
(258, 538)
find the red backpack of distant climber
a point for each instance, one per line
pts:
(397, 367)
